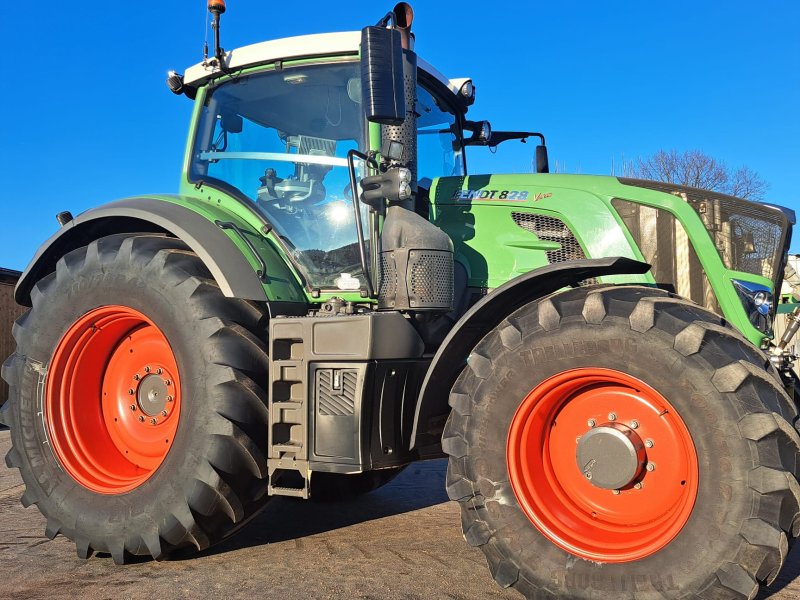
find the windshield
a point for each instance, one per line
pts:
(281, 139)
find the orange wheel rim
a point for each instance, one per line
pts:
(552, 455)
(112, 399)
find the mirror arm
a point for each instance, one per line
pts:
(498, 137)
(385, 20)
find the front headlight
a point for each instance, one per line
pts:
(757, 301)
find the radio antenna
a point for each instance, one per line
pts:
(216, 8)
(205, 32)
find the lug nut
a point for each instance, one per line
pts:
(159, 371)
(131, 392)
(634, 424)
(133, 407)
(163, 413)
(591, 422)
(168, 382)
(147, 369)
(649, 443)
(651, 466)
(612, 416)
(170, 398)
(638, 485)
(615, 492)
(141, 419)
(136, 377)
(153, 421)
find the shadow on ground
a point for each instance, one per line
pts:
(790, 572)
(421, 485)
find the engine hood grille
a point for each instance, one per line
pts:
(665, 244)
(750, 237)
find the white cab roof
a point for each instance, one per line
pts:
(320, 44)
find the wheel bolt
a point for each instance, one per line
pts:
(649, 443)
(133, 407)
(159, 371)
(634, 424)
(612, 416)
(141, 419)
(136, 377)
(168, 382)
(153, 421)
(147, 369)
(170, 398)
(591, 422)
(638, 485)
(163, 413)
(131, 392)
(651, 466)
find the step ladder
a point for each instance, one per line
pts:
(287, 458)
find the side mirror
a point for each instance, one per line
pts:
(382, 93)
(542, 163)
(231, 122)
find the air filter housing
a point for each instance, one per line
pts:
(416, 264)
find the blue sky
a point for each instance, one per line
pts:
(88, 119)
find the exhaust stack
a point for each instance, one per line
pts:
(403, 16)
(406, 132)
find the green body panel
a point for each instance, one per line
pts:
(281, 283)
(494, 249)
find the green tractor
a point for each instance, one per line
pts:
(332, 296)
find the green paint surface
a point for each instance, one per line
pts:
(494, 249)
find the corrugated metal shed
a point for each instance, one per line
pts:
(9, 311)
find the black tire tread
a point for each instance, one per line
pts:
(228, 490)
(764, 539)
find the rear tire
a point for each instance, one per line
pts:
(212, 477)
(739, 420)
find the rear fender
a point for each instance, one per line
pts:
(231, 270)
(432, 408)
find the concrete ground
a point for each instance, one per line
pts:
(401, 542)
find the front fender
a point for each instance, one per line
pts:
(232, 271)
(485, 315)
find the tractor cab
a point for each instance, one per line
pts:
(274, 129)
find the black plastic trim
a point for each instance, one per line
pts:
(262, 272)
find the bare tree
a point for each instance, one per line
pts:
(746, 183)
(697, 169)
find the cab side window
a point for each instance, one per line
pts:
(439, 151)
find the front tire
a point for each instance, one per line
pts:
(137, 416)
(715, 516)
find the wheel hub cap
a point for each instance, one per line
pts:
(610, 456)
(152, 395)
